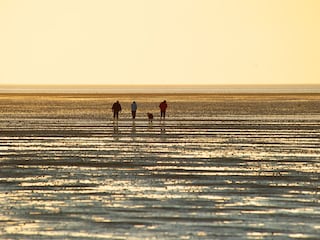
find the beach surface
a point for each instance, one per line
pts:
(221, 166)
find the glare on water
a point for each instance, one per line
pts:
(219, 167)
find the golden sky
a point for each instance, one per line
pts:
(160, 42)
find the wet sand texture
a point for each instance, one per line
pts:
(219, 167)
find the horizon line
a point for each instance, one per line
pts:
(165, 85)
(164, 88)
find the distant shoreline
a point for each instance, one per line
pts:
(101, 95)
(160, 89)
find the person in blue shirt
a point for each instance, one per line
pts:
(134, 108)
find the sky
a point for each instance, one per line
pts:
(160, 42)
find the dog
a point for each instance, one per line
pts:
(150, 117)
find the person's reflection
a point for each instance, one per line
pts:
(162, 127)
(133, 130)
(115, 128)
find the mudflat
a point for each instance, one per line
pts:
(220, 166)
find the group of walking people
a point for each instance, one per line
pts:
(116, 108)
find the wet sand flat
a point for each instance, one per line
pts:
(221, 166)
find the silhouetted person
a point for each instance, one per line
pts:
(163, 107)
(116, 108)
(134, 107)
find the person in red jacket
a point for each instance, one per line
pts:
(163, 107)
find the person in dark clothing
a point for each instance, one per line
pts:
(163, 107)
(116, 108)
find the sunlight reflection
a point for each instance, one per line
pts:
(226, 176)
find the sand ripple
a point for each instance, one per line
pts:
(221, 177)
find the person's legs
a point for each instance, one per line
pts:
(133, 114)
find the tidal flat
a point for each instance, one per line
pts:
(220, 166)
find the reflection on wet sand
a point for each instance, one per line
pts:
(115, 127)
(221, 177)
(163, 127)
(133, 129)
